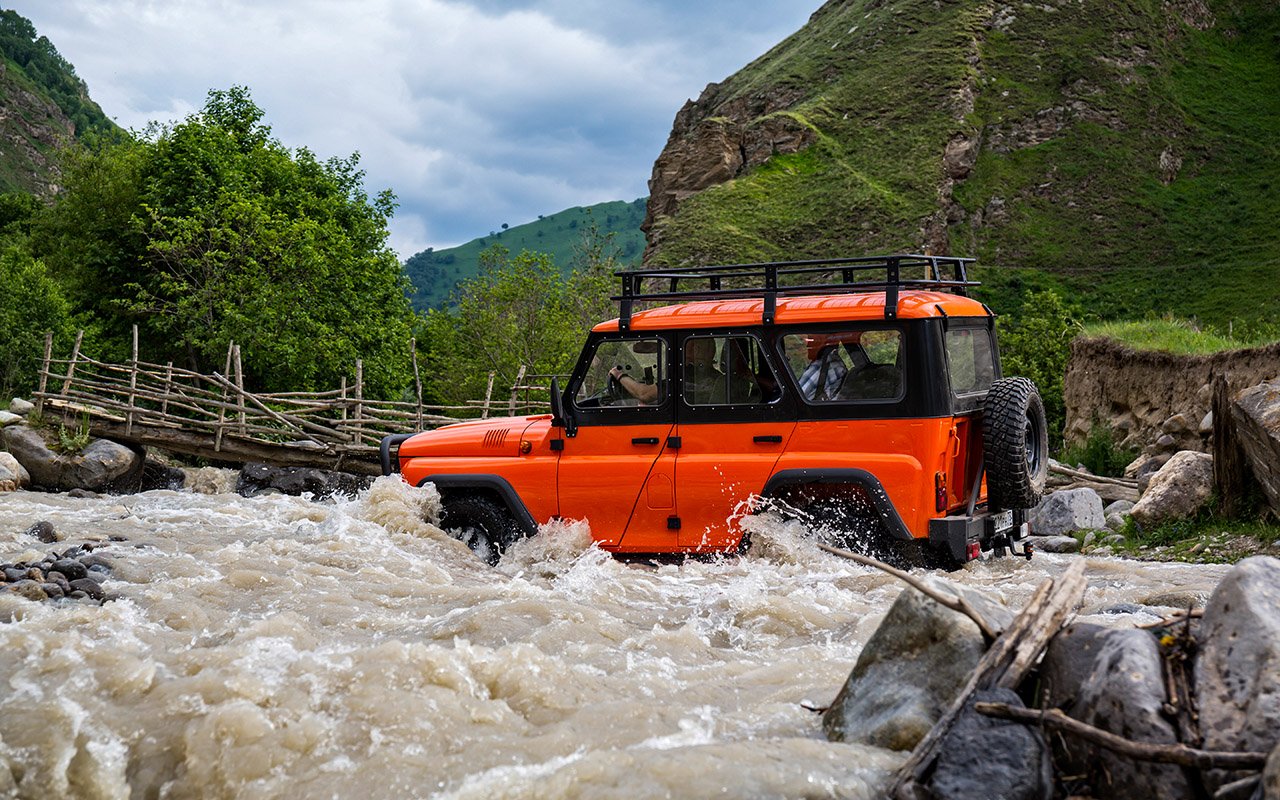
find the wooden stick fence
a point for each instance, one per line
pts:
(214, 415)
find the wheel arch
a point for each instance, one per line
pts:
(786, 479)
(495, 486)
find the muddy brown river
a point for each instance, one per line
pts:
(280, 648)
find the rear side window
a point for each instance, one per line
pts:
(842, 366)
(970, 357)
(727, 370)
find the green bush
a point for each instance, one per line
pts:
(1099, 453)
(1035, 343)
(31, 304)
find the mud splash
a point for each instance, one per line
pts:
(275, 647)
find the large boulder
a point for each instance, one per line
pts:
(911, 670)
(21, 407)
(1256, 412)
(1068, 511)
(994, 759)
(258, 479)
(1112, 679)
(8, 418)
(100, 466)
(1180, 489)
(1238, 670)
(13, 476)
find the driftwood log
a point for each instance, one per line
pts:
(1004, 665)
(1179, 754)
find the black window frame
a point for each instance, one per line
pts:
(661, 413)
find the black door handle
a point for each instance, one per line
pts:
(772, 439)
(645, 440)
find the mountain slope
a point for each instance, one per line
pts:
(43, 105)
(434, 273)
(1127, 151)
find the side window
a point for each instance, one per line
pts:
(970, 358)
(625, 372)
(839, 366)
(727, 370)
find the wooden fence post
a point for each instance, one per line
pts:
(44, 372)
(222, 411)
(133, 384)
(168, 388)
(515, 390)
(417, 379)
(488, 394)
(71, 369)
(241, 404)
(355, 436)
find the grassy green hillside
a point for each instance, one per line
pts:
(43, 104)
(434, 273)
(1125, 153)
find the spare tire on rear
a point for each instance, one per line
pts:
(1015, 441)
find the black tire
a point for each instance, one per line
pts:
(481, 523)
(1015, 441)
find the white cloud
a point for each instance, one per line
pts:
(474, 113)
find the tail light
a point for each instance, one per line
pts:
(973, 550)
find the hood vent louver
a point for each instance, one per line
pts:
(496, 438)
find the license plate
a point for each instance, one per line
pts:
(1003, 521)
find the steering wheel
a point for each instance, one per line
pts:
(613, 392)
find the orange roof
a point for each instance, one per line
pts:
(863, 307)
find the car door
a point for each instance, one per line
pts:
(606, 473)
(732, 424)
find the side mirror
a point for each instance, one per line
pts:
(560, 418)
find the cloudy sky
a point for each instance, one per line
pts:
(474, 112)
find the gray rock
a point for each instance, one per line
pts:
(98, 467)
(1115, 522)
(910, 671)
(1090, 539)
(1118, 507)
(1178, 598)
(88, 586)
(1256, 413)
(1178, 425)
(1180, 489)
(71, 568)
(1067, 512)
(1238, 670)
(52, 591)
(21, 407)
(257, 479)
(994, 759)
(7, 418)
(43, 530)
(1123, 692)
(1113, 539)
(1166, 442)
(1055, 544)
(1206, 425)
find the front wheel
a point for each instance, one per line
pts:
(481, 524)
(1015, 441)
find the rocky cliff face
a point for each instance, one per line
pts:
(32, 128)
(1065, 136)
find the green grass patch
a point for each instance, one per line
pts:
(1180, 337)
(1205, 539)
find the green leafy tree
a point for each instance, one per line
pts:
(31, 304)
(1036, 344)
(210, 231)
(519, 310)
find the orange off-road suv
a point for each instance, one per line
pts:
(863, 394)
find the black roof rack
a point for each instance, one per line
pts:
(771, 279)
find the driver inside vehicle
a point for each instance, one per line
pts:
(644, 393)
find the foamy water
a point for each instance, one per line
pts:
(276, 647)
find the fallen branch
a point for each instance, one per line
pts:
(1179, 754)
(1175, 619)
(1128, 483)
(953, 602)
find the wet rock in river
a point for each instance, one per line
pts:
(910, 671)
(256, 479)
(1121, 690)
(52, 591)
(28, 589)
(98, 466)
(992, 758)
(1056, 544)
(43, 530)
(13, 476)
(70, 567)
(1177, 491)
(1237, 673)
(87, 585)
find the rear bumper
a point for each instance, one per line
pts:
(957, 536)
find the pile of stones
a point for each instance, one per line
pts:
(76, 573)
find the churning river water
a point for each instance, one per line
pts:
(276, 647)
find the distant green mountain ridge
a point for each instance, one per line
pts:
(43, 105)
(434, 273)
(1127, 154)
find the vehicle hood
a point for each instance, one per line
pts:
(482, 437)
